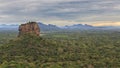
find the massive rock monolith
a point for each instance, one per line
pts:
(29, 28)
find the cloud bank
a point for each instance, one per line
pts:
(61, 12)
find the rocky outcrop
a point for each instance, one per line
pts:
(29, 28)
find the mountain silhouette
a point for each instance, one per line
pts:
(51, 27)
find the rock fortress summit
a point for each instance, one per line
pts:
(29, 28)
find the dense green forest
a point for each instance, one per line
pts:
(61, 49)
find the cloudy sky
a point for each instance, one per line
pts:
(61, 12)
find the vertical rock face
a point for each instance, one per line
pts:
(29, 28)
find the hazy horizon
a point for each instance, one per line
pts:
(61, 25)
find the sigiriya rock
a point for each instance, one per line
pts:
(29, 28)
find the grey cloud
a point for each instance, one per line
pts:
(70, 10)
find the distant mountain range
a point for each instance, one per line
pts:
(9, 27)
(51, 27)
(78, 27)
(43, 27)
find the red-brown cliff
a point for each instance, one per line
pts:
(29, 28)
